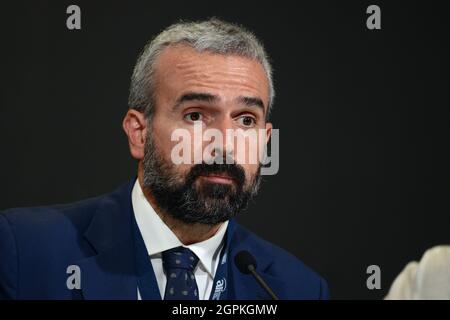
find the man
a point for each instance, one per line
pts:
(170, 233)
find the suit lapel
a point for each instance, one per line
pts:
(244, 286)
(111, 273)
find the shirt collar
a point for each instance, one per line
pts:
(158, 237)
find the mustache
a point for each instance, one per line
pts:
(234, 171)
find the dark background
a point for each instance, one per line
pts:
(363, 118)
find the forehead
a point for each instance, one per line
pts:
(181, 68)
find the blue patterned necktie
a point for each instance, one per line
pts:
(179, 264)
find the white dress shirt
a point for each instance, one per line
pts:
(158, 237)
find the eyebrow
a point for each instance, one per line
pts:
(251, 102)
(196, 96)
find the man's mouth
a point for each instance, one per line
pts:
(218, 178)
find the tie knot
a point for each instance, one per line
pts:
(179, 258)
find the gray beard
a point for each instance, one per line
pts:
(209, 203)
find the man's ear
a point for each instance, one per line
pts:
(268, 131)
(135, 126)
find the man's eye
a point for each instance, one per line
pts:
(247, 121)
(193, 116)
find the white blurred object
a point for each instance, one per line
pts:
(424, 280)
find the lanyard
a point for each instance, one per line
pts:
(220, 285)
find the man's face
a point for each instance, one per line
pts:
(208, 91)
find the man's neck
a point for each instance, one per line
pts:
(186, 233)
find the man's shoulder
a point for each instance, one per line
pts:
(39, 243)
(45, 236)
(281, 263)
(42, 218)
(271, 251)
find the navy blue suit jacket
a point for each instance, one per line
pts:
(38, 244)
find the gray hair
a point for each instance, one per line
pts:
(212, 35)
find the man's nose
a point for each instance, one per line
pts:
(224, 147)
